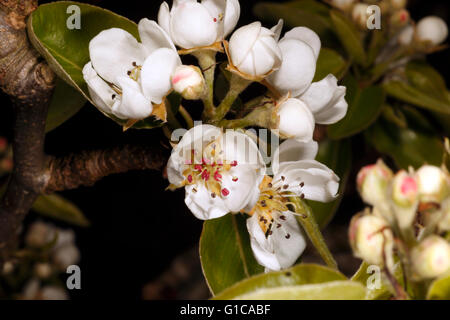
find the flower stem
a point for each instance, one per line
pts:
(207, 62)
(261, 117)
(187, 117)
(309, 224)
(237, 86)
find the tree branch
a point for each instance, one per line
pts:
(87, 168)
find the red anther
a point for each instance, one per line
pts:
(234, 163)
(215, 19)
(235, 179)
(217, 176)
(225, 192)
(205, 175)
(189, 178)
(198, 167)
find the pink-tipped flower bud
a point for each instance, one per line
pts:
(431, 258)
(370, 238)
(432, 29)
(372, 182)
(189, 82)
(405, 197)
(434, 184)
(400, 18)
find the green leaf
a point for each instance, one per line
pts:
(308, 222)
(408, 147)
(440, 289)
(297, 275)
(349, 35)
(56, 207)
(66, 50)
(225, 252)
(329, 61)
(307, 13)
(66, 102)
(364, 107)
(364, 276)
(337, 155)
(423, 86)
(334, 290)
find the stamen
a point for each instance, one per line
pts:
(225, 192)
(234, 163)
(235, 179)
(288, 236)
(213, 195)
(189, 178)
(113, 96)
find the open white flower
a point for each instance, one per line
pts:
(276, 238)
(254, 51)
(300, 49)
(191, 24)
(125, 77)
(326, 100)
(220, 171)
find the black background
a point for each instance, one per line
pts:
(137, 227)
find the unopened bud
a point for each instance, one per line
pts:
(372, 182)
(432, 29)
(360, 14)
(189, 82)
(66, 256)
(43, 270)
(344, 5)
(38, 235)
(434, 184)
(431, 258)
(296, 120)
(370, 236)
(405, 196)
(398, 4)
(400, 18)
(406, 36)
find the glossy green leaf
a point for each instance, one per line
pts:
(225, 252)
(408, 147)
(337, 156)
(298, 275)
(440, 289)
(307, 13)
(423, 86)
(56, 207)
(309, 224)
(334, 290)
(67, 50)
(329, 61)
(66, 102)
(349, 36)
(364, 107)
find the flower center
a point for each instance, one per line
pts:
(209, 172)
(135, 72)
(272, 205)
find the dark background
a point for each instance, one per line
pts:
(137, 227)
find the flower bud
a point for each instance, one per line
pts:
(343, 5)
(189, 82)
(431, 258)
(254, 50)
(372, 182)
(400, 18)
(39, 234)
(66, 256)
(370, 238)
(360, 15)
(434, 184)
(406, 36)
(444, 223)
(432, 29)
(405, 197)
(296, 120)
(398, 4)
(43, 270)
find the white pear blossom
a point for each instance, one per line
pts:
(193, 24)
(300, 49)
(254, 50)
(220, 171)
(126, 77)
(432, 29)
(276, 238)
(326, 100)
(295, 120)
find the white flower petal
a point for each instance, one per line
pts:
(239, 147)
(276, 252)
(100, 92)
(133, 105)
(203, 205)
(297, 68)
(216, 9)
(326, 100)
(320, 183)
(153, 36)
(242, 190)
(232, 14)
(306, 35)
(293, 150)
(296, 120)
(242, 41)
(164, 17)
(191, 25)
(112, 53)
(156, 73)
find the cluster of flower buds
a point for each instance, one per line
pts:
(412, 207)
(6, 162)
(429, 32)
